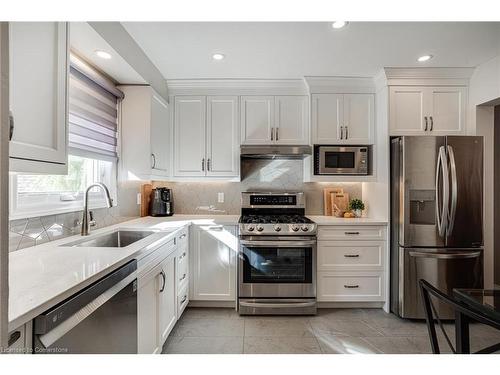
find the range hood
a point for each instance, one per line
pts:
(275, 152)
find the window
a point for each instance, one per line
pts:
(92, 128)
(37, 195)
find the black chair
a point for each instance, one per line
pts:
(462, 311)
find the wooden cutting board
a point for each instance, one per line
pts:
(327, 199)
(145, 198)
(340, 203)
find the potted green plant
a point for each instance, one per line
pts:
(357, 206)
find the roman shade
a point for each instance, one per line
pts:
(93, 113)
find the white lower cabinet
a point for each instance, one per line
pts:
(213, 263)
(167, 299)
(351, 263)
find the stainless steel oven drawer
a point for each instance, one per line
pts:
(277, 306)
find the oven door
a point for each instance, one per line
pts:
(341, 160)
(278, 268)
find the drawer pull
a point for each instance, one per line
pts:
(183, 277)
(14, 336)
(184, 299)
(182, 236)
(182, 255)
(348, 233)
(351, 255)
(351, 286)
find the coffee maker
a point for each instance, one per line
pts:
(161, 202)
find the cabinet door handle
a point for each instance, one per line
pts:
(182, 255)
(183, 277)
(184, 299)
(351, 286)
(13, 337)
(164, 277)
(216, 227)
(425, 118)
(351, 255)
(350, 233)
(153, 164)
(208, 164)
(272, 134)
(182, 236)
(277, 133)
(432, 124)
(341, 132)
(203, 164)
(346, 132)
(11, 127)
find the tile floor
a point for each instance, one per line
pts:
(332, 331)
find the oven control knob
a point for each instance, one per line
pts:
(295, 227)
(250, 228)
(260, 228)
(277, 228)
(304, 228)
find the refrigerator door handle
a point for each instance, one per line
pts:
(421, 254)
(454, 190)
(442, 205)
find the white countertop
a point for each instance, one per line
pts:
(44, 275)
(332, 220)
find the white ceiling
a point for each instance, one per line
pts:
(85, 41)
(293, 50)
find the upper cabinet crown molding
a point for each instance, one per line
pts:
(236, 87)
(340, 85)
(428, 76)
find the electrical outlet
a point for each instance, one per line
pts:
(139, 198)
(220, 197)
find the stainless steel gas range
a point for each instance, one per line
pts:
(277, 260)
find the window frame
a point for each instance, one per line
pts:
(53, 204)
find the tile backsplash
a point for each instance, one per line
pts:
(264, 175)
(37, 230)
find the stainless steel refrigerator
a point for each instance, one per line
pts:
(436, 218)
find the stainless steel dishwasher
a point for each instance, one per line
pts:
(102, 318)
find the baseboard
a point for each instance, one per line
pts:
(231, 304)
(350, 305)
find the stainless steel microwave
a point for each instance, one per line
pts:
(341, 160)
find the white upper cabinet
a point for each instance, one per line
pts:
(144, 134)
(222, 136)
(343, 118)
(189, 135)
(213, 263)
(425, 110)
(291, 120)
(274, 120)
(39, 62)
(359, 118)
(447, 107)
(257, 119)
(160, 137)
(206, 133)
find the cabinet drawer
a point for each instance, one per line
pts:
(182, 301)
(350, 255)
(351, 232)
(17, 341)
(350, 287)
(182, 273)
(182, 238)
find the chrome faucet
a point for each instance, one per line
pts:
(87, 220)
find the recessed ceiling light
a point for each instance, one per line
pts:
(339, 24)
(103, 54)
(424, 58)
(218, 56)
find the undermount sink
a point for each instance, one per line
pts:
(119, 238)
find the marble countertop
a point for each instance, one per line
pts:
(44, 275)
(332, 220)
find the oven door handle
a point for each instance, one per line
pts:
(278, 243)
(277, 305)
